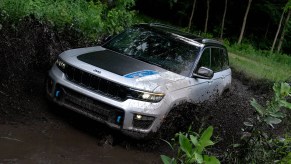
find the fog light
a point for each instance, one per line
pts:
(142, 117)
(138, 116)
(142, 121)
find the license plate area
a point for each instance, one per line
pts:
(90, 106)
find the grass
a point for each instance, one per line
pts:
(260, 65)
(260, 70)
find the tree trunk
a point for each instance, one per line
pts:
(284, 31)
(223, 19)
(192, 14)
(278, 31)
(267, 30)
(207, 16)
(244, 23)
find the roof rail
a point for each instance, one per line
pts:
(178, 31)
(163, 25)
(211, 41)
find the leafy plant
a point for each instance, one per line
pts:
(258, 146)
(191, 148)
(272, 114)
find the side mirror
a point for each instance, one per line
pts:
(204, 73)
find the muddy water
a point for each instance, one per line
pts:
(31, 131)
(49, 143)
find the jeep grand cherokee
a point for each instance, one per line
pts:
(134, 80)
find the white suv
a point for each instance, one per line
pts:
(134, 80)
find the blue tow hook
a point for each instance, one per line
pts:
(118, 119)
(58, 93)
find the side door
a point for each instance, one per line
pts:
(200, 87)
(221, 63)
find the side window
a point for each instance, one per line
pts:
(214, 58)
(225, 59)
(205, 59)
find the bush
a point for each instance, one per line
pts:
(191, 148)
(93, 19)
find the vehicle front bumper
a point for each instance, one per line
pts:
(116, 114)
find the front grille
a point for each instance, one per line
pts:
(95, 108)
(96, 84)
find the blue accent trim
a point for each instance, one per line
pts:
(118, 119)
(57, 93)
(142, 73)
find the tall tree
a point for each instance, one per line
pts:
(278, 31)
(192, 14)
(284, 31)
(244, 22)
(223, 19)
(207, 16)
(267, 30)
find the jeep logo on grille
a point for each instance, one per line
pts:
(95, 70)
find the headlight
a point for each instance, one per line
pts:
(61, 65)
(146, 96)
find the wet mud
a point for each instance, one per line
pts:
(59, 143)
(32, 129)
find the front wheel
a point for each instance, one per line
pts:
(179, 119)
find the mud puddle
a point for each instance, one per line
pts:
(33, 131)
(51, 143)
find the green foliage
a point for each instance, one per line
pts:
(287, 6)
(191, 148)
(283, 149)
(93, 19)
(257, 145)
(249, 51)
(259, 64)
(272, 113)
(206, 35)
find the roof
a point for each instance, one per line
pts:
(174, 30)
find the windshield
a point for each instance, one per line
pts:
(165, 51)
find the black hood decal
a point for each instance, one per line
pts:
(116, 63)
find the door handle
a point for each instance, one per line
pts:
(210, 82)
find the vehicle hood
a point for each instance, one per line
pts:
(120, 68)
(118, 63)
